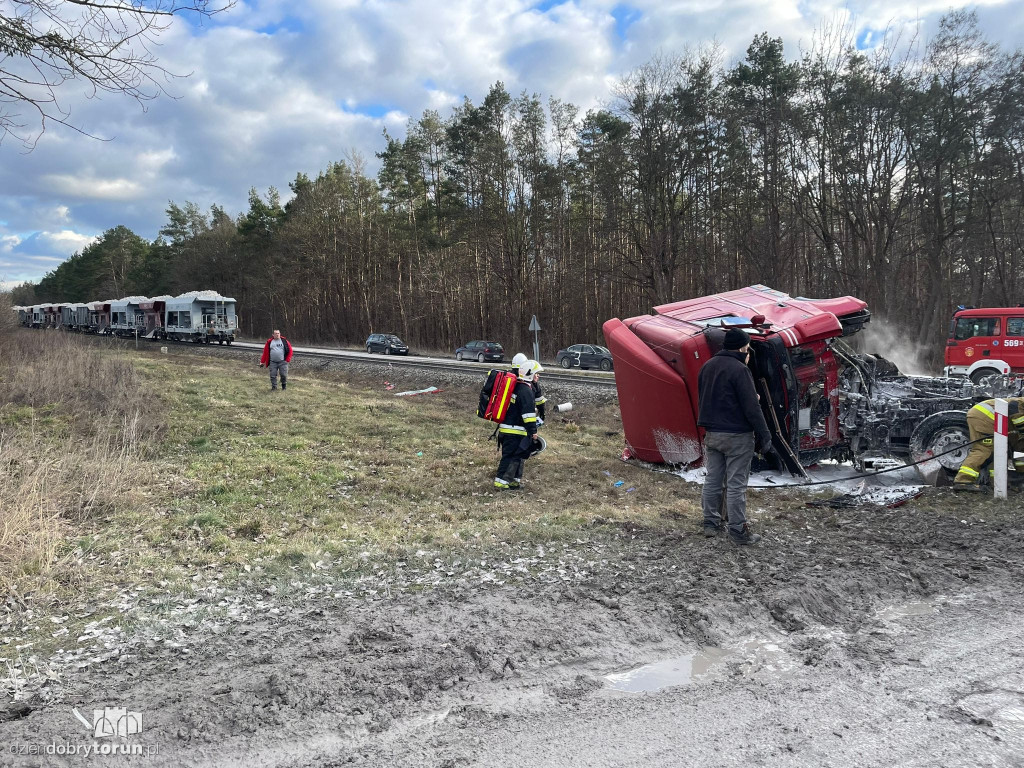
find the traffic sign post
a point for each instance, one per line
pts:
(535, 327)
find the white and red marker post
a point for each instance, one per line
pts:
(999, 446)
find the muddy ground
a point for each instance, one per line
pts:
(853, 637)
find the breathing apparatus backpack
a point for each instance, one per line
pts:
(496, 395)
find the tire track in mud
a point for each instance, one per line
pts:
(464, 675)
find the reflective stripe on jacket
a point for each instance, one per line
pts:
(1016, 409)
(521, 417)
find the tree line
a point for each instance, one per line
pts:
(895, 174)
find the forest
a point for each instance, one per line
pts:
(894, 174)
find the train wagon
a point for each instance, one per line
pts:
(51, 315)
(154, 311)
(99, 317)
(74, 317)
(200, 317)
(126, 316)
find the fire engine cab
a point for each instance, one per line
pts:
(986, 341)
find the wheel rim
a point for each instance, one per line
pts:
(946, 439)
(459, 357)
(387, 350)
(566, 363)
(605, 365)
(480, 358)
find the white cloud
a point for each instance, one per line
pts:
(29, 257)
(71, 186)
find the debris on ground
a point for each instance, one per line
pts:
(427, 391)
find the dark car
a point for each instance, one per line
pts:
(387, 343)
(481, 351)
(585, 356)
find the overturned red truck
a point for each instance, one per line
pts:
(822, 399)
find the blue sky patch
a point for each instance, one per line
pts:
(625, 16)
(546, 5)
(868, 38)
(291, 24)
(372, 110)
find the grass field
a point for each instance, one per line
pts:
(160, 469)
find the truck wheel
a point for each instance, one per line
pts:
(982, 373)
(941, 432)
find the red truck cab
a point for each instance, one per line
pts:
(658, 358)
(986, 341)
(822, 398)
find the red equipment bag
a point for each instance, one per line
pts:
(496, 395)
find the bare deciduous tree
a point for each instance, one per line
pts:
(107, 45)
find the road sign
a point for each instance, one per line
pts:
(535, 327)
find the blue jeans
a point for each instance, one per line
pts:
(727, 456)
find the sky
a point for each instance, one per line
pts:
(278, 87)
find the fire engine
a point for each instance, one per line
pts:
(822, 399)
(985, 342)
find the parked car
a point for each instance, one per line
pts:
(386, 343)
(481, 351)
(585, 356)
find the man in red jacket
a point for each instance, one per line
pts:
(277, 353)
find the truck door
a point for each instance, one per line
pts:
(976, 338)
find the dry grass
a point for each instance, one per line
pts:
(72, 423)
(249, 484)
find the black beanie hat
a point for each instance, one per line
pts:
(736, 339)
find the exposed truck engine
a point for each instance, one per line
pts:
(821, 398)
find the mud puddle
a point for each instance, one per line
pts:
(759, 655)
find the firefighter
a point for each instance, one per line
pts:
(538, 393)
(517, 431)
(539, 400)
(981, 421)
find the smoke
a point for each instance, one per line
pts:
(879, 337)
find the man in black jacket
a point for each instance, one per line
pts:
(728, 410)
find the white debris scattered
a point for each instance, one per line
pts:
(841, 478)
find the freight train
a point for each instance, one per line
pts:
(201, 317)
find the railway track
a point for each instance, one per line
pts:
(551, 374)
